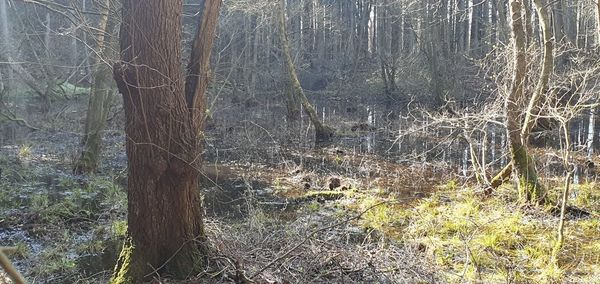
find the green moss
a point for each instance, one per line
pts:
(323, 195)
(124, 271)
(490, 240)
(118, 229)
(530, 189)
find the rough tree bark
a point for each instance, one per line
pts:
(324, 134)
(101, 95)
(530, 188)
(164, 110)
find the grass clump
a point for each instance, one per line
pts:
(118, 229)
(474, 238)
(491, 240)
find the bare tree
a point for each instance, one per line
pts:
(102, 90)
(530, 187)
(164, 109)
(323, 133)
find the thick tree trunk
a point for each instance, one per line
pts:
(101, 95)
(164, 113)
(323, 133)
(530, 189)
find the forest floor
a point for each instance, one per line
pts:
(283, 214)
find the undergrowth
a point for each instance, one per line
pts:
(491, 239)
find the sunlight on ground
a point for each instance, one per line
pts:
(492, 240)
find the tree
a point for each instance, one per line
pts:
(101, 94)
(5, 37)
(323, 133)
(530, 188)
(598, 22)
(164, 111)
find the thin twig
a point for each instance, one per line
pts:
(311, 235)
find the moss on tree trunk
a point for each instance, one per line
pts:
(529, 187)
(101, 95)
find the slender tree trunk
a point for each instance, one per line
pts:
(591, 131)
(528, 22)
(102, 93)
(598, 22)
(308, 31)
(462, 31)
(6, 40)
(503, 29)
(255, 41)
(164, 110)
(547, 68)
(560, 239)
(323, 133)
(530, 189)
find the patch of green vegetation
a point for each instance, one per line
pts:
(491, 240)
(314, 206)
(451, 185)
(387, 219)
(24, 151)
(324, 195)
(5, 197)
(56, 259)
(21, 250)
(39, 202)
(586, 195)
(118, 229)
(93, 246)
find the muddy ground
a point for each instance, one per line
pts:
(265, 191)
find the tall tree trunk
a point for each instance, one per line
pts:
(324, 134)
(102, 92)
(164, 110)
(530, 189)
(503, 29)
(598, 22)
(528, 22)
(476, 27)
(6, 40)
(308, 31)
(462, 30)
(547, 68)
(255, 41)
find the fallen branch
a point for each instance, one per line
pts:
(17, 120)
(502, 176)
(12, 272)
(311, 235)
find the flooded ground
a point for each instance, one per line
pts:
(263, 184)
